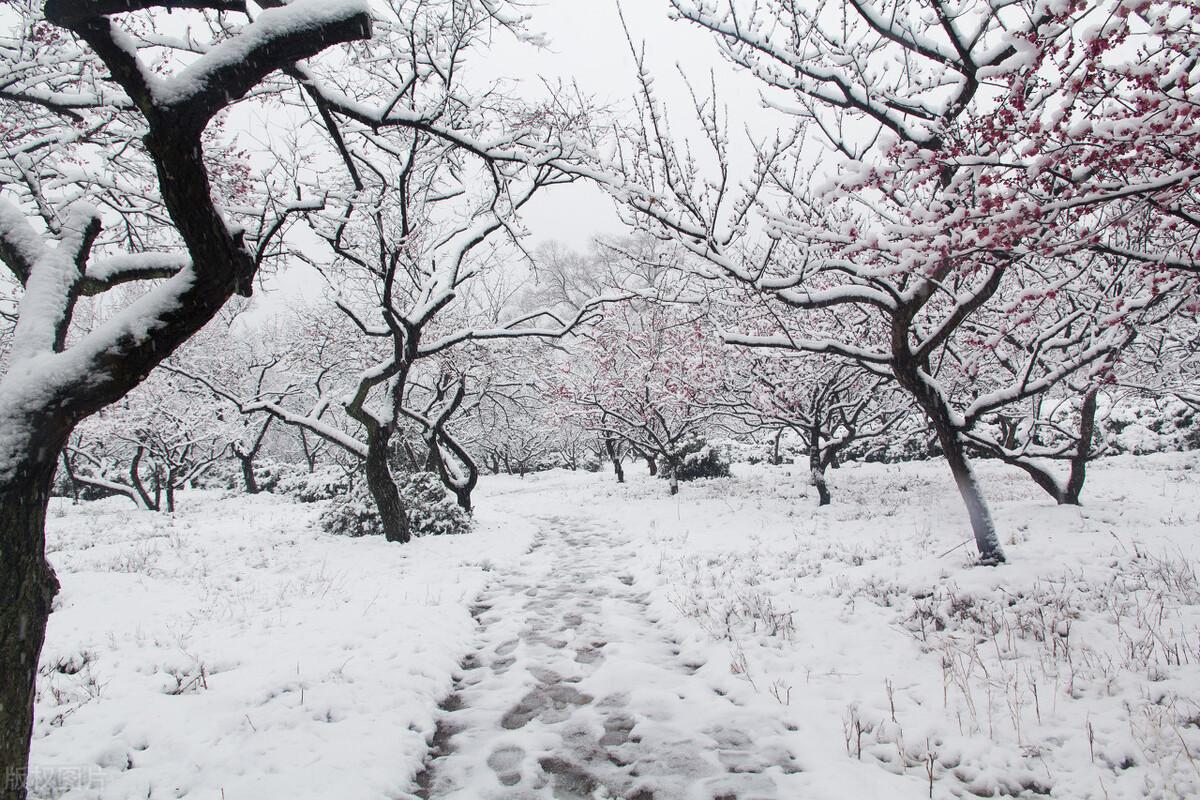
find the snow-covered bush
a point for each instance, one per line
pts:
(352, 513)
(1149, 425)
(276, 476)
(430, 508)
(699, 459)
(745, 451)
(324, 483)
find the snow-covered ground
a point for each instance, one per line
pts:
(591, 640)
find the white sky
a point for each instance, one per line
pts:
(588, 45)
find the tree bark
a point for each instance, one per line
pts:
(1083, 451)
(461, 491)
(248, 474)
(610, 445)
(383, 489)
(940, 417)
(982, 526)
(776, 456)
(135, 478)
(653, 465)
(27, 588)
(672, 468)
(816, 464)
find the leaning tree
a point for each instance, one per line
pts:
(109, 177)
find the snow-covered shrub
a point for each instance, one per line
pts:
(276, 476)
(352, 513)
(1148, 425)
(324, 483)
(746, 452)
(430, 508)
(699, 459)
(432, 511)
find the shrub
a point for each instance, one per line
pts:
(352, 513)
(698, 459)
(273, 476)
(431, 510)
(324, 483)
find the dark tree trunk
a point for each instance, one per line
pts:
(248, 474)
(652, 463)
(610, 445)
(461, 491)
(383, 490)
(1083, 451)
(776, 456)
(70, 470)
(816, 465)
(136, 479)
(310, 453)
(27, 588)
(1068, 493)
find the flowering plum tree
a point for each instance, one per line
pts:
(649, 374)
(960, 190)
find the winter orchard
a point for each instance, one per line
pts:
(968, 244)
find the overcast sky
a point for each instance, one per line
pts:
(588, 45)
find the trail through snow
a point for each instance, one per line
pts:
(574, 692)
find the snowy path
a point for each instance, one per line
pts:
(574, 693)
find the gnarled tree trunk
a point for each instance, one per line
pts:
(248, 478)
(27, 588)
(610, 446)
(383, 489)
(1083, 451)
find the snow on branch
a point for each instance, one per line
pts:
(69, 12)
(513, 330)
(276, 39)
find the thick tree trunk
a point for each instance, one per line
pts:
(610, 445)
(383, 490)
(248, 474)
(776, 456)
(653, 465)
(27, 587)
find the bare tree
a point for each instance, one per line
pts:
(59, 254)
